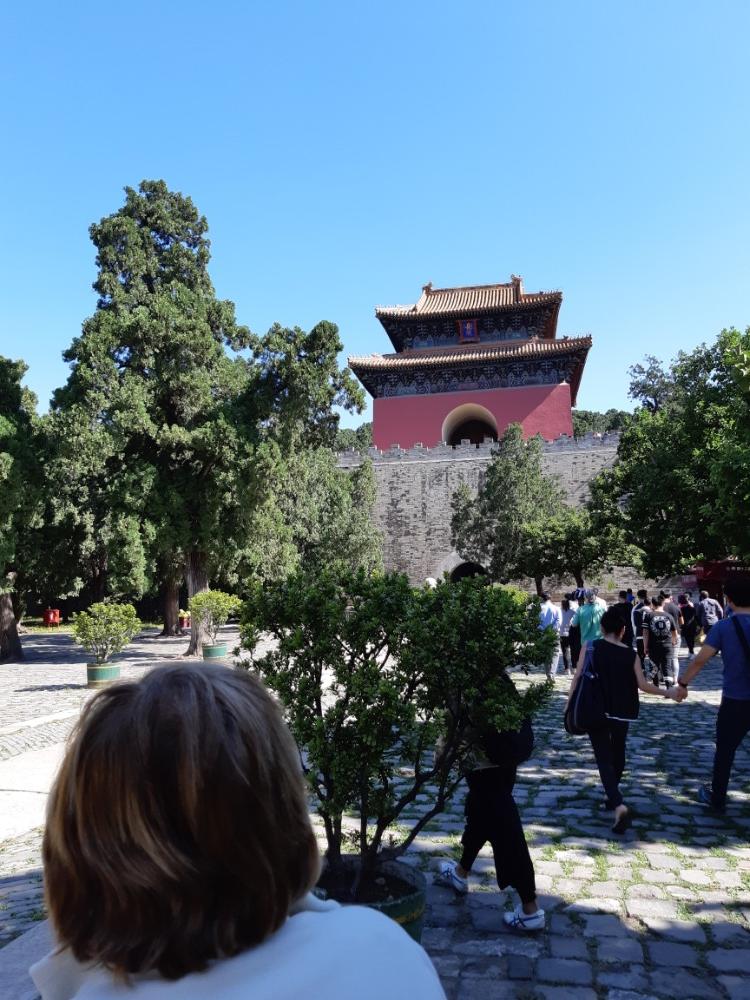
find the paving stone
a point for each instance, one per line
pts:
(595, 905)
(670, 953)
(486, 918)
(694, 876)
(618, 980)
(619, 949)
(560, 923)
(520, 967)
(485, 988)
(602, 925)
(568, 947)
(563, 993)
(447, 966)
(726, 932)
(730, 959)
(680, 984)
(443, 916)
(609, 889)
(637, 907)
(676, 930)
(437, 938)
(626, 994)
(736, 987)
(565, 970)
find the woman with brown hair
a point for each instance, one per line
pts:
(179, 855)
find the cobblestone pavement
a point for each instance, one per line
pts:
(662, 912)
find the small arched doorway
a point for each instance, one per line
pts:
(469, 422)
(467, 569)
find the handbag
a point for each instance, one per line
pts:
(742, 638)
(585, 709)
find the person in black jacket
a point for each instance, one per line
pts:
(492, 815)
(620, 675)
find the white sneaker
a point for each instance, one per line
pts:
(448, 877)
(520, 921)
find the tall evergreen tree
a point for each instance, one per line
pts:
(20, 471)
(198, 412)
(503, 527)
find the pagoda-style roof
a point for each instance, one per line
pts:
(481, 302)
(371, 369)
(466, 301)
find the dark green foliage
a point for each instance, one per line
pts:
(593, 422)
(519, 524)
(176, 423)
(20, 477)
(503, 528)
(681, 486)
(105, 629)
(354, 438)
(316, 516)
(373, 673)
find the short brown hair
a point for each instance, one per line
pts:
(177, 829)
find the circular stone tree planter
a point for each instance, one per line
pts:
(217, 652)
(101, 674)
(406, 886)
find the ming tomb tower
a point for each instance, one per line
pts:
(469, 361)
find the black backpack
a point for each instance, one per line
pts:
(510, 746)
(585, 710)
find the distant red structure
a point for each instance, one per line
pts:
(469, 361)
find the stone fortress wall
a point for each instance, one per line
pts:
(415, 489)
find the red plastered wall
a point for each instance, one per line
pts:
(410, 420)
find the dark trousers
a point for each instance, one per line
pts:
(575, 643)
(688, 634)
(732, 726)
(639, 649)
(661, 657)
(492, 815)
(566, 651)
(608, 744)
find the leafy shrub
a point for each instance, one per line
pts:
(105, 629)
(211, 609)
(373, 674)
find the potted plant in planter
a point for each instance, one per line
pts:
(104, 630)
(373, 675)
(211, 609)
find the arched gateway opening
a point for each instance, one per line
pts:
(466, 569)
(469, 422)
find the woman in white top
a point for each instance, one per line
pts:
(179, 857)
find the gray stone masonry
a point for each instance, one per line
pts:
(415, 489)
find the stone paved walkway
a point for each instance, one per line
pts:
(663, 912)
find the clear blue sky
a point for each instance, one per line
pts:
(346, 153)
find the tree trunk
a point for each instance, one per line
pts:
(539, 583)
(171, 606)
(10, 644)
(99, 580)
(578, 578)
(196, 576)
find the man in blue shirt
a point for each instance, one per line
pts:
(731, 638)
(550, 616)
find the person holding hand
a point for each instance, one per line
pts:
(730, 637)
(620, 676)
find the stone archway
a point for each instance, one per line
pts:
(469, 422)
(466, 569)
